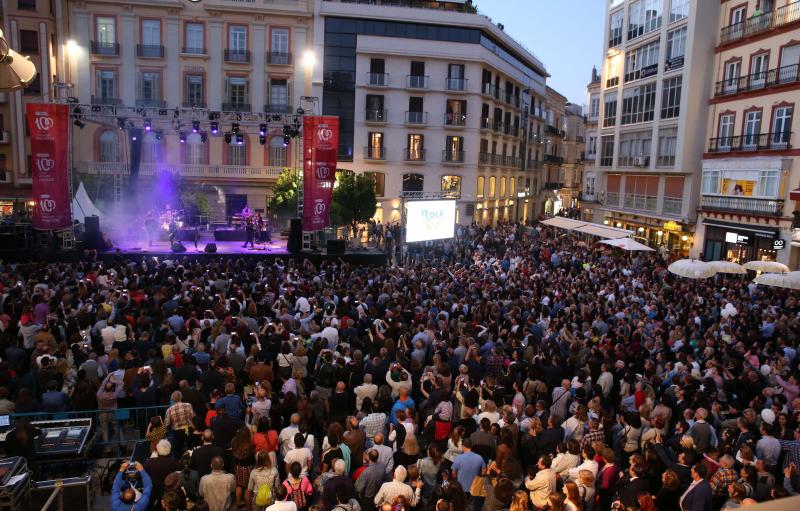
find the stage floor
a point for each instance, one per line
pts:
(162, 248)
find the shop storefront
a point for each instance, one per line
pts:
(740, 243)
(669, 237)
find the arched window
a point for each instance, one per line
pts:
(194, 151)
(109, 146)
(278, 153)
(152, 148)
(479, 191)
(237, 151)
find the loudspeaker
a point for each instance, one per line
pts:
(92, 239)
(295, 242)
(92, 224)
(335, 247)
(211, 248)
(177, 246)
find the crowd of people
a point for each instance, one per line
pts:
(512, 368)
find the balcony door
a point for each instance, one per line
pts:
(752, 129)
(790, 62)
(106, 30)
(151, 33)
(781, 126)
(726, 126)
(758, 70)
(732, 73)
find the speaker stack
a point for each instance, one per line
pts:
(295, 242)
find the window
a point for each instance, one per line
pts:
(374, 108)
(589, 185)
(151, 32)
(638, 103)
(279, 42)
(378, 182)
(479, 187)
(512, 186)
(726, 127)
(676, 48)
(237, 152)
(634, 149)
(678, 9)
(106, 29)
(502, 187)
(416, 147)
(607, 151)
(644, 16)
(781, 125)
(237, 38)
(237, 90)
(710, 182)
(28, 41)
(109, 146)
(455, 112)
(492, 186)
(278, 95)
(454, 148)
(732, 70)
(615, 29)
(455, 71)
(152, 148)
(594, 107)
(610, 109)
(413, 182)
(738, 14)
(451, 184)
(591, 147)
(194, 150)
(149, 87)
(106, 86)
(671, 97)
(752, 127)
(278, 152)
(758, 70)
(667, 143)
(768, 181)
(377, 66)
(195, 95)
(642, 62)
(195, 38)
(27, 5)
(374, 150)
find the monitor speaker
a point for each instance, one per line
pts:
(92, 239)
(295, 242)
(211, 248)
(335, 247)
(177, 246)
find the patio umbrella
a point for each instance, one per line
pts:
(628, 244)
(727, 267)
(692, 269)
(790, 280)
(766, 266)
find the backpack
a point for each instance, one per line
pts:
(264, 495)
(296, 495)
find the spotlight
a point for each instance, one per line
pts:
(195, 126)
(239, 139)
(262, 140)
(235, 127)
(162, 111)
(159, 134)
(203, 138)
(297, 121)
(133, 138)
(227, 138)
(262, 129)
(214, 128)
(213, 115)
(77, 110)
(182, 137)
(286, 140)
(287, 130)
(72, 99)
(300, 111)
(148, 125)
(121, 122)
(79, 123)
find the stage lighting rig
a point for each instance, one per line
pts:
(228, 138)
(235, 127)
(262, 129)
(214, 126)
(121, 122)
(262, 139)
(195, 126)
(148, 125)
(182, 137)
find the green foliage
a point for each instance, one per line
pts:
(353, 198)
(284, 198)
(195, 203)
(470, 7)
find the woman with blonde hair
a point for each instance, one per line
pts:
(586, 489)
(409, 453)
(573, 501)
(520, 502)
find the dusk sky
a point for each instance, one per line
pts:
(567, 35)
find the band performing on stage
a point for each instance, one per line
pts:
(174, 224)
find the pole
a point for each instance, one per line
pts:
(402, 239)
(52, 497)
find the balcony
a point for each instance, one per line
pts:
(514, 131)
(499, 126)
(553, 186)
(781, 17)
(455, 119)
(5, 137)
(221, 172)
(237, 56)
(151, 103)
(374, 153)
(106, 101)
(456, 84)
(235, 106)
(150, 51)
(193, 104)
(103, 48)
(673, 206)
(416, 118)
(376, 116)
(513, 162)
(612, 199)
(761, 142)
(552, 130)
(278, 108)
(486, 123)
(484, 158)
(551, 158)
(640, 202)
(534, 165)
(377, 79)
(279, 58)
(413, 155)
(757, 81)
(449, 156)
(770, 207)
(487, 89)
(191, 50)
(417, 82)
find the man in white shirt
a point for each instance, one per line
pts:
(606, 381)
(300, 454)
(543, 484)
(366, 389)
(286, 436)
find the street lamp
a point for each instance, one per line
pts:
(309, 59)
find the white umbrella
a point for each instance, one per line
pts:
(727, 267)
(789, 280)
(692, 269)
(766, 266)
(628, 244)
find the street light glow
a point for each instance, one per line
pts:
(309, 59)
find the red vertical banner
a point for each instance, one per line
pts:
(320, 150)
(48, 127)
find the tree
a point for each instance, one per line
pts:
(353, 198)
(195, 203)
(284, 199)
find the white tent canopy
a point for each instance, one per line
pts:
(628, 244)
(563, 223)
(82, 206)
(602, 231)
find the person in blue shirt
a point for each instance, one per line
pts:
(467, 465)
(124, 491)
(404, 402)
(233, 404)
(54, 400)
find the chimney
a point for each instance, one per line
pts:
(595, 76)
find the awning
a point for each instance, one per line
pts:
(764, 231)
(795, 194)
(563, 223)
(609, 233)
(628, 244)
